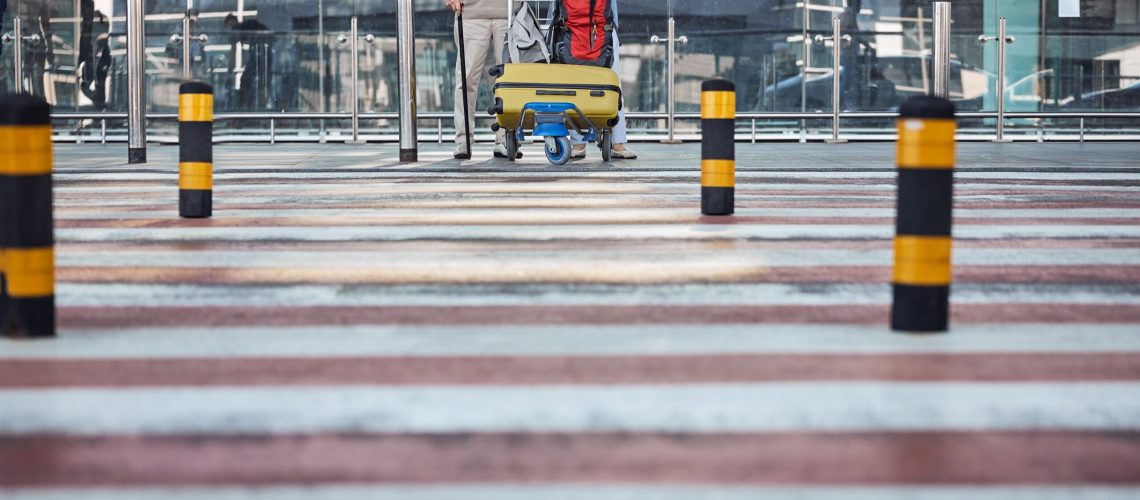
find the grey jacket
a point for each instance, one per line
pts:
(485, 9)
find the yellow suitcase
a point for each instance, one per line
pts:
(595, 92)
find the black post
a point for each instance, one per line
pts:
(923, 242)
(718, 147)
(195, 150)
(27, 245)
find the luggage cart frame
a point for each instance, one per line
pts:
(552, 121)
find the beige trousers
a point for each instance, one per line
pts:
(481, 36)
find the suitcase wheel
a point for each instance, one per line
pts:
(512, 142)
(606, 144)
(558, 150)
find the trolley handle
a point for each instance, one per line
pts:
(569, 120)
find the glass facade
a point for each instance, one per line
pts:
(294, 56)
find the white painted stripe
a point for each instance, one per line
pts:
(484, 491)
(560, 185)
(460, 199)
(75, 207)
(577, 232)
(742, 259)
(765, 407)
(1047, 176)
(746, 173)
(568, 340)
(560, 294)
(601, 214)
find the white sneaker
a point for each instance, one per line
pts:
(501, 151)
(624, 154)
(461, 152)
(578, 151)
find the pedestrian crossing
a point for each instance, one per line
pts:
(348, 327)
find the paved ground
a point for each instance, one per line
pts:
(347, 327)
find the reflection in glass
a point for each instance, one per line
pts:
(284, 56)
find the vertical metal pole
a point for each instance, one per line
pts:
(18, 53)
(922, 49)
(942, 49)
(1082, 129)
(186, 46)
(321, 45)
(136, 82)
(671, 106)
(406, 46)
(806, 59)
(354, 49)
(836, 52)
(78, 33)
(1001, 81)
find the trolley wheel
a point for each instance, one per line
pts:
(606, 144)
(558, 150)
(512, 142)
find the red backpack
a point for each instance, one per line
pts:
(582, 32)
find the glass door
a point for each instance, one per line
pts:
(643, 62)
(273, 57)
(39, 53)
(7, 46)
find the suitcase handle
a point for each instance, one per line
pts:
(570, 93)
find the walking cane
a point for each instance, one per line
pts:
(463, 71)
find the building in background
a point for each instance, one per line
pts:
(1086, 63)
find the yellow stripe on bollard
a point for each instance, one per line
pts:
(30, 272)
(25, 150)
(926, 143)
(194, 175)
(718, 173)
(923, 260)
(718, 105)
(196, 107)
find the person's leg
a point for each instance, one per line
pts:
(246, 93)
(477, 38)
(577, 145)
(498, 41)
(102, 68)
(620, 131)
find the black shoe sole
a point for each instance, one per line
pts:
(462, 157)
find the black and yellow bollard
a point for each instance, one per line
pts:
(27, 253)
(195, 150)
(718, 147)
(922, 271)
